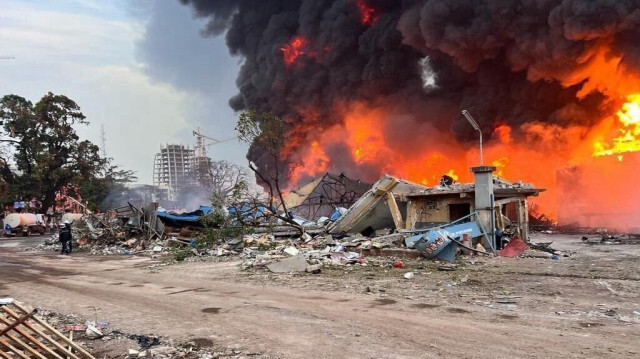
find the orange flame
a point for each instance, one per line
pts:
(453, 174)
(379, 141)
(294, 49)
(500, 165)
(629, 138)
(316, 161)
(504, 133)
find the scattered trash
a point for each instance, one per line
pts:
(408, 275)
(145, 341)
(536, 254)
(447, 267)
(513, 248)
(398, 264)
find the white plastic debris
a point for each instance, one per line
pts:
(292, 251)
(408, 275)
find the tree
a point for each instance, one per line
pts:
(225, 178)
(108, 188)
(48, 153)
(266, 131)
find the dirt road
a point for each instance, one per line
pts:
(552, 313)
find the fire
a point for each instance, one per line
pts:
(629, 131)
(367, 13)
(453, 175)
(500, 164)
(294, 49)
(364, 138)
(375, 140)
(317, 161)
(504, 133)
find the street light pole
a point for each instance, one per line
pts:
(473, 123)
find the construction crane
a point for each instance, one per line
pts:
(202, 162)
(201, 146)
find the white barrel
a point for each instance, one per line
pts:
(71, 217)
(15, 220)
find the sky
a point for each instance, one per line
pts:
(139, 68)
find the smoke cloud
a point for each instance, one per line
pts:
(508, 62)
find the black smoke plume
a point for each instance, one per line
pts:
(506, 61)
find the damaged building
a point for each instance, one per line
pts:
(320, 197)
(405, 206)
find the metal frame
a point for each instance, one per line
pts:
(490, 240)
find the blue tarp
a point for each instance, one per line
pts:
(185, 217)
(246, 212)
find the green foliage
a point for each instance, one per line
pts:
(180, 255)
(47, 152)
(220, 235)
(265, 130)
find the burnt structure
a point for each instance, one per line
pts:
(320, 197)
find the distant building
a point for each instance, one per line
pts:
(174, 169)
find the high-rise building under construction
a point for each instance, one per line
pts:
(175, 168)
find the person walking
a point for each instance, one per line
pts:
(65, 238)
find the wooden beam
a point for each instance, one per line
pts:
(4, 355)
(18, 322)
(40, 333)
(59, 335)
(395, 211)
(13, 349)
(411, 214)
(25, 346)
(32, 339)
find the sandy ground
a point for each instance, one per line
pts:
(584, 306)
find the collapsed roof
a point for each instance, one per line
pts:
(320, 197)
(384, 204)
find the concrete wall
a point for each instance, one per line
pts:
(419, 215)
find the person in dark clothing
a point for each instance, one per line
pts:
(65, 238)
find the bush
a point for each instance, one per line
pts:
(180, 255)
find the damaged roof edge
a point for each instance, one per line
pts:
(366, 203)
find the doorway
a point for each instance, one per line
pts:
(459, 210)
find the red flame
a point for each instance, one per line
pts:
(504, 133)
(379, 141)
(294, 49)
(367, 13)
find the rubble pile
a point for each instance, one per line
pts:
(392, 218)
(99, 336)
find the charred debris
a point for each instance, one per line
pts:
(343, 221)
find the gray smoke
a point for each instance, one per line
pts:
(503, 60)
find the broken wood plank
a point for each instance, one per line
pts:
(395, 211)
(18, 322)
(39, 332)
(32, 339)
(24, 345)
(13, 349)
(58, 334)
